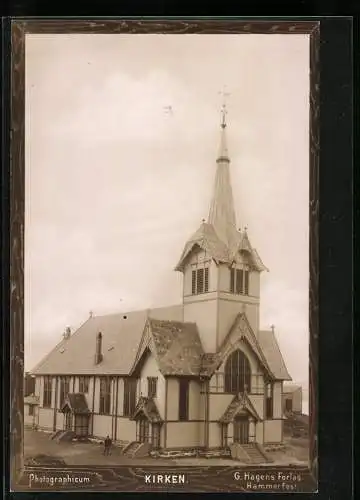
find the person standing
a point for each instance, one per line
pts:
(107, 445)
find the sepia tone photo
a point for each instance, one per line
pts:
(166, 259)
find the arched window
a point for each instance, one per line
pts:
(237, 373)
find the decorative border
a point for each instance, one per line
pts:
(205, 479)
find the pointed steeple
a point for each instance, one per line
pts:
(222, 212)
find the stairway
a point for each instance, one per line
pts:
(55, 434)
(65, 436)
(137, 449)
(254, 453)
(131, 449)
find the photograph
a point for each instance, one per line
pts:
(166, 258)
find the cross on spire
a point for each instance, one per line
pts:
(224, 95)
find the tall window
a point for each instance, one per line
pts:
(200, 280)
(239, 281)
(269, 405)
(47, 391)
(105, 395)
(237, 373)
(183, 399)
(64, 389)
(152, 387)
(129, 396)
(31, 410)
(84, 384)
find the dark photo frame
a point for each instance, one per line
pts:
(330, 219)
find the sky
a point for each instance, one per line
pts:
(115, 184)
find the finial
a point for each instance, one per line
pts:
(245, 228)
(91, 314)
(272, 328)
(223, 107)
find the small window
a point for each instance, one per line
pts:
(200, 280)
(269, 400)
(152, 387)
(183, 399)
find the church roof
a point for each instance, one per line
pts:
(76, 402)
(121, 334)
(177, 346)
(206, 239)
(147, 407)
(272, 353)
(290, 388)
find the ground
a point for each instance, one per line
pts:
(73, 453)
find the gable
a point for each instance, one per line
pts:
(206, 239)
(242, 334)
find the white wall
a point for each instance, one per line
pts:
(194, 400)
(273, 431)
(182, 434)
(202, 310)
(218, 404)
(230, 306)
(126, 429)
(46, 418)
(102, 425)
(151, 369)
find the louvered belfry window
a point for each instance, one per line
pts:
(237, 373)
(200, 280)
(239, 281)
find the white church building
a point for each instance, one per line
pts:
(200, 374)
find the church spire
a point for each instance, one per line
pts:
(222, 212)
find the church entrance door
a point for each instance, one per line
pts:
(241, 430)
(143, 430)
(68, 421)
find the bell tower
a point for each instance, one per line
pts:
(221, 270)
